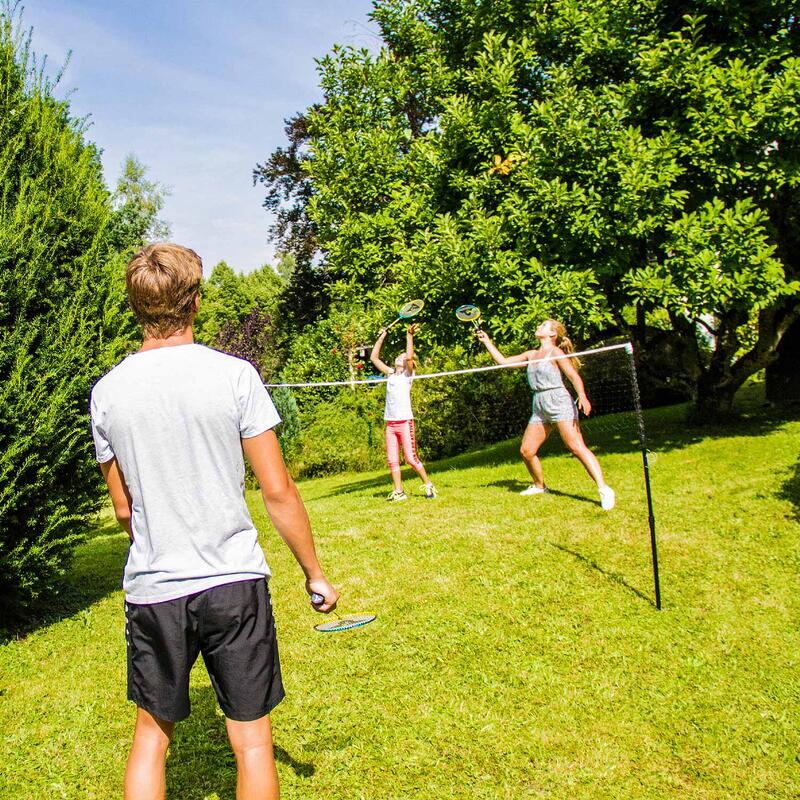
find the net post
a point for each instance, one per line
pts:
(637, 403)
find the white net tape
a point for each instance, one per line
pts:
(627, 346)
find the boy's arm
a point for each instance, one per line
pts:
(120, 496)
(287, 512)
(375, 356)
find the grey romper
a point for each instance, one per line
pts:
(551, 401)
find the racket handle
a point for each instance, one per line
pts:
(317, 599)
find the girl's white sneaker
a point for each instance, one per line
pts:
(607, 498)
(532, 489)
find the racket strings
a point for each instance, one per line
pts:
(469, 313)
(344, 623)
(411, 309)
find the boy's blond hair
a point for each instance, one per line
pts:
(163, 280)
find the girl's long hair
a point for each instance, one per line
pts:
(563, 341)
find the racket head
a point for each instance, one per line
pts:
(468, 313)
(411, 309)
(344, 623)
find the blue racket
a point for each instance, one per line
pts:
(408, 311)
(340, 623)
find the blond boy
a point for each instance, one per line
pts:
(171, 423)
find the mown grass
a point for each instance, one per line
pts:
(517, 652)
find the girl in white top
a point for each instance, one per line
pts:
(399, 416)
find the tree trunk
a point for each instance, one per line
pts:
(783, 375)
(718, 383)
(713, 401)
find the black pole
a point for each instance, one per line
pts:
(637, 403)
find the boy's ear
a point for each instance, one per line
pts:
(196, 303)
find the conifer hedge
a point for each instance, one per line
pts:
(54, 214)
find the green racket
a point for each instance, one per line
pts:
(340, 623)
(470, 313)
(408, 311)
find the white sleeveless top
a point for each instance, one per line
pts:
(398, 397)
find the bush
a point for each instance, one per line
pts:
(342, 435)
(458, 413)
(54, 209)
(289, 429)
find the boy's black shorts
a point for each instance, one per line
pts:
(231, 625)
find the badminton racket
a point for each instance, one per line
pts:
(408, 311)
(470, 313)
(340, 623)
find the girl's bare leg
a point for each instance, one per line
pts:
(534, 437)
(572, 437)
(397, 479)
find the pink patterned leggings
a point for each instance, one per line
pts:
(401, 432)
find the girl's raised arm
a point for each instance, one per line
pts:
(520, 359)
(376, 353)
(410, 331)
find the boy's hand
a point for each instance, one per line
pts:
(382, 333)
(413, 328)
(482, 335)
(325, 588)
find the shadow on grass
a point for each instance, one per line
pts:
(484, 456)
(666, 429)
(790, 490)
(201, 763)
(611, 576)
(95, 572)
(516, 487)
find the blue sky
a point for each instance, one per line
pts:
(198, 91)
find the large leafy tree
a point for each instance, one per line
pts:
(136, 204)
(632, 168)
(54, 216)
(228, 298)
(294, 232)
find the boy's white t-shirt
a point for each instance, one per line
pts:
(398, 397)
(174, 417)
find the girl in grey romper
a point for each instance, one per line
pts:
(551, 400)
(553, 406)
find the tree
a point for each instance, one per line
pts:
(631, 168)
(137, 202)
(226, 299)
(294, 233)
(54, 217)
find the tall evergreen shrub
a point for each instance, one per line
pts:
(54, 210)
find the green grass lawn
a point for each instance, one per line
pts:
(517, 651)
